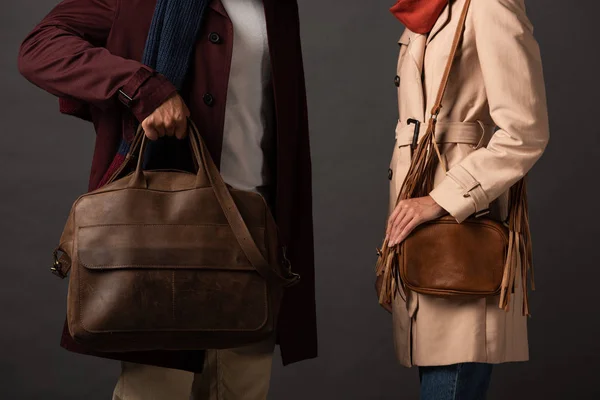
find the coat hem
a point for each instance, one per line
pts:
(465, 360)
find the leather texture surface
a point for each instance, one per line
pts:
(446, 258)
(166, 260)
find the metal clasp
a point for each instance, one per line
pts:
(125, 95)
(482, 213)
(56, 267)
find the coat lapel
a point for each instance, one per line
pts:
(278, 52)
(218, 7)
(412, 76)
(414, 72)
(440, 23)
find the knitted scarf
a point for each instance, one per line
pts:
(418, 15)
(168, 50)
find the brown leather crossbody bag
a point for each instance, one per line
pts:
(171, 260)
(476, 258)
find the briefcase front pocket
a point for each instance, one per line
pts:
(164, 280)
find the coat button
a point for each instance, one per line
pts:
(397, 81)
(390, 174)
(214, 38)
(209, 100)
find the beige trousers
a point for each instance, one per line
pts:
(242, 373)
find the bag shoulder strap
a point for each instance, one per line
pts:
(444, 83)
(235, 219)
(420, 175)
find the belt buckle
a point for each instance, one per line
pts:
(415, 139)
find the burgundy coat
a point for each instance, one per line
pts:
(84, 51)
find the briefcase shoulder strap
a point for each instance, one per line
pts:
(232, 213)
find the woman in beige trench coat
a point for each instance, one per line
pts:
(492, 128)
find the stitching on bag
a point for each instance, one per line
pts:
(482, 223)
(151, 225)
(101, 332)
(116, 266)
(404, 273)
(242, 267)
(98, 192)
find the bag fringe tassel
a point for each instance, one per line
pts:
(420, 175)
(418, 182)
(519, 249)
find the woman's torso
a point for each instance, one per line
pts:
(496, 79)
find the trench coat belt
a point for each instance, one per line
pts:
(475, 133)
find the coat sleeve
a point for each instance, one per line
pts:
(65, 55)
(511, 66)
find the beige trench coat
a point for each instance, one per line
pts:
(492, 128)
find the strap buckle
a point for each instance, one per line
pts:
(56, 266)
(124, 97)
(291, 277)
(481, 213)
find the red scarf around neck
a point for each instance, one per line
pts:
(418, 15)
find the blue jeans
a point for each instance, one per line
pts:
(466, 381)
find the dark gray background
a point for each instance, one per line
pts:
(350, 55)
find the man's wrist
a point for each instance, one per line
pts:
(145, 92)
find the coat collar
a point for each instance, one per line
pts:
(417, 44)
(218, 7)
(440, 23)
(411, 72)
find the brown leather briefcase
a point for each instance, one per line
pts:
(171, 260)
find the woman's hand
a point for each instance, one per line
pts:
(169, 119)
(409, 214)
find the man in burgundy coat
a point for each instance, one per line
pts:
(88, 52)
